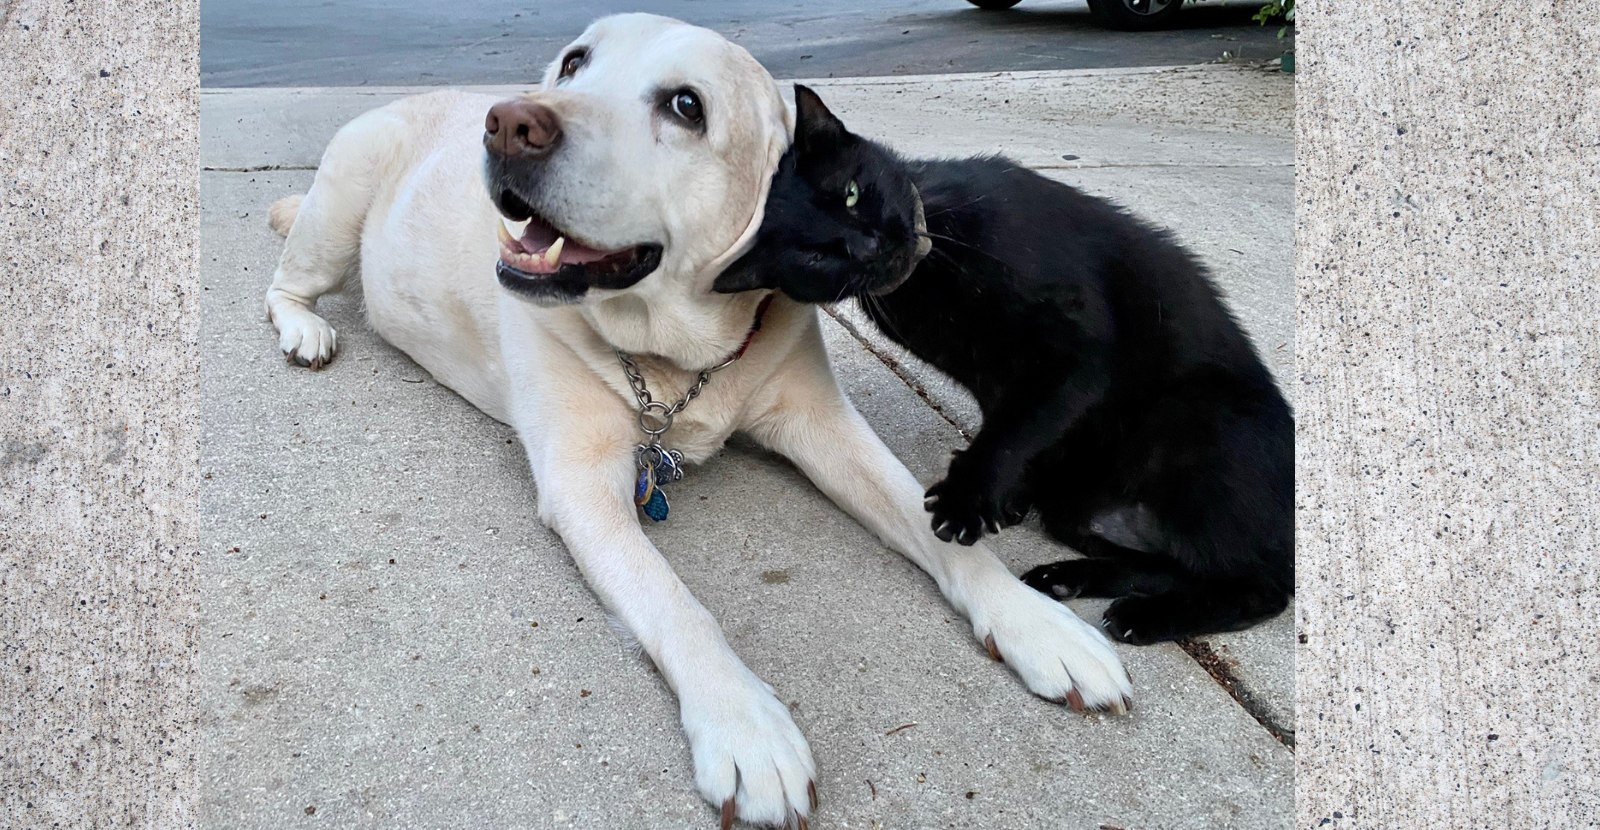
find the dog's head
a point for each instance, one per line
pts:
(640, 167)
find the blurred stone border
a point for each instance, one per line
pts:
(1448, 364)
(1448, 370)
(99, 208)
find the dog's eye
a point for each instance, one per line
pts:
(852, 194)
(686, 105)
(573, 62)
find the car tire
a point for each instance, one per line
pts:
(994, 5)
(1136, 15)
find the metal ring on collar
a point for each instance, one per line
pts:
(659, 412)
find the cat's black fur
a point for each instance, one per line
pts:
(1108, 370)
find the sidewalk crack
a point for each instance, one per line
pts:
(260, 168)
(899, 371)
(1222, 672)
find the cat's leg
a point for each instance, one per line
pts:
(1111, 571)
(980, 491)
(1067, 504)
(1192, 609)
(1222, 485)
(805, 416)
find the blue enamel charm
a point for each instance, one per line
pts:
(656, 507)
(644, 486)
(656, 467)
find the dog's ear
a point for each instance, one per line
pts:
(745, 274)
(815, 127)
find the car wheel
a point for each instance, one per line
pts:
(1136, 15)
(994, 5)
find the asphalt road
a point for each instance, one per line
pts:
(367, 42)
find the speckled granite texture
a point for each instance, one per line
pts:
(98, 437)
(1449, 373)
(1447, 368)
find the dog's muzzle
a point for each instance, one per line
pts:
(541, 261)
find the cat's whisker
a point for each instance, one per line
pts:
(952, 240)
(940, 211)
(846, 289)
(882, 318)
(959, 266)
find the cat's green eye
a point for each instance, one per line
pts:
(852, 194)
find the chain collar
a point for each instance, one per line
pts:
(655, 417)
(657, 464)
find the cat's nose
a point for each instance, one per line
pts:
(864, 248)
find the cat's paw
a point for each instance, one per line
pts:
(1141, 621)
(1062, 580)
(750, 759)
(964, 508)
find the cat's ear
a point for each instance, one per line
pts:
(745, 274)
(815, 128)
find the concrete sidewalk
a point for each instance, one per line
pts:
(390, 639)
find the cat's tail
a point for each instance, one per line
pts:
(280, 217)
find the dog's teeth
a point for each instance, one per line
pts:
(503, 233)
(552, 257)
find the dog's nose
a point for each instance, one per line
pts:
(521, 129)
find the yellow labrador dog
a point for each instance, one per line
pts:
(513, 248)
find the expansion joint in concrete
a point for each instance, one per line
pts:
(899, 371)
(1221, 670)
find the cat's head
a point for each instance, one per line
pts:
(842, 218)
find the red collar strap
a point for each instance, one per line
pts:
(761, 311)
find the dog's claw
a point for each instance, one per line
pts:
(728, 809)
(799, 821)
(811, 790)
(994, 651)
(1075, 700)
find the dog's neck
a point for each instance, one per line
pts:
(693, 333)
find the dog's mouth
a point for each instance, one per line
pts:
(552, 266)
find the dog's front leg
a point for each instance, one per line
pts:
(806, 417)
(750, 759)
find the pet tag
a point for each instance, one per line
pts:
(670, 467)
(645, 486)
(656, 507)
(657, 466)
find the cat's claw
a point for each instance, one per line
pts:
(962, 514)
(1140, 621)
(1060, 580)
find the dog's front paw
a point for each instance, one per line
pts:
(1058, 656)
(304, 338)
(750, 759)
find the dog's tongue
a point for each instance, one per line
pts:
(541, 250)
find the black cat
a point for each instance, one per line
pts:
(1110, 375)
